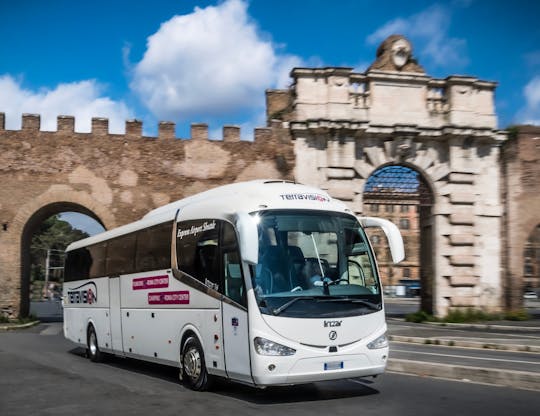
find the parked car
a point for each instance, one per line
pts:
(530, 295)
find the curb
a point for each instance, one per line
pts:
(485, 326)
(455, 325)
(507, 378)
(465, 344)
(11, 327)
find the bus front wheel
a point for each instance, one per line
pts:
(194, 372)
(93, 351)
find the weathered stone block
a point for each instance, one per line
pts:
(336, 173)
(457, 281)
(340, 189)
(462, 198)
(231, 133)
(65, 124)
(461, 239)
(462, 218)
(134, 128)
(100, 126)
(199, 131)
(166, 130)
(462, 260)
(31, 122)
(463, 301)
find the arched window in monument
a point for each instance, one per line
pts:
(410, 199)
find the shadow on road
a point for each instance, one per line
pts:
(327, 390)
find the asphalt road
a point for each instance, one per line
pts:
(43, 374)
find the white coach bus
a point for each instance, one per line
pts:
(262, 282)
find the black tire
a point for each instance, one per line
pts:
(93, 351)
(194, 373)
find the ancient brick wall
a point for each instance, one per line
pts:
(116, 178)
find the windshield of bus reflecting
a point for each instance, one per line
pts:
(314, 264)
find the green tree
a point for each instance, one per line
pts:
(54, 235)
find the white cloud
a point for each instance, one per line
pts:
(530, 114)
(212, 62)
(428, 30)
(80, 99)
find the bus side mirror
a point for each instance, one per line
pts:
(249, 237)
(392, 233)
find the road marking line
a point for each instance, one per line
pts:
(468, 356)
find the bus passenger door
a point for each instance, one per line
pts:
(115, 314)
(235, 320)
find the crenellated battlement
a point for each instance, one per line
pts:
(134, 129)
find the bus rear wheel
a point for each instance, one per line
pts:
(194, 372)
(93, 351)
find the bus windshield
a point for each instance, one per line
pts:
(314, 264)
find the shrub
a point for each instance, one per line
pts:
(517, 315)
(418, 317)
(470, 315)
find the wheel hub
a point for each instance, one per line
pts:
(192, 363)
(93, 344)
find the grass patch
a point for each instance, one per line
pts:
(517, 315)
(468, 316)
(420, 316)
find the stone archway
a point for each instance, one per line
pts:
(400, 193)
(56, 200)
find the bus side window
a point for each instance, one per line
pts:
(154, 248)
(121, 255)
(78, 264)
(197, 251)
(98, 255)
(232, 267)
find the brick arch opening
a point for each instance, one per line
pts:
(28, 230)
(403, 194)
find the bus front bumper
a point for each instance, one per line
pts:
(272, 371)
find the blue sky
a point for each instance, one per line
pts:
(210, 61)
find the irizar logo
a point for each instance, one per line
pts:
(332, 324)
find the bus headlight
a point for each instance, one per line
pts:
(264, 346)
(380, 342)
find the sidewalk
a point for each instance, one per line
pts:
(491, 352)
(14, 326)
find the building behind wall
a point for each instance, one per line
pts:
(521, 170)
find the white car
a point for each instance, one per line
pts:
(530, 295)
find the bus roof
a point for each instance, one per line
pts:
(225, 201)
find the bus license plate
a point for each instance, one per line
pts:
(333, 365)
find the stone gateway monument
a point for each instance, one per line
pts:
(391, 142)
(349, 128)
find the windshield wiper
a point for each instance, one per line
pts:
(370, 305)
(277, 311)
